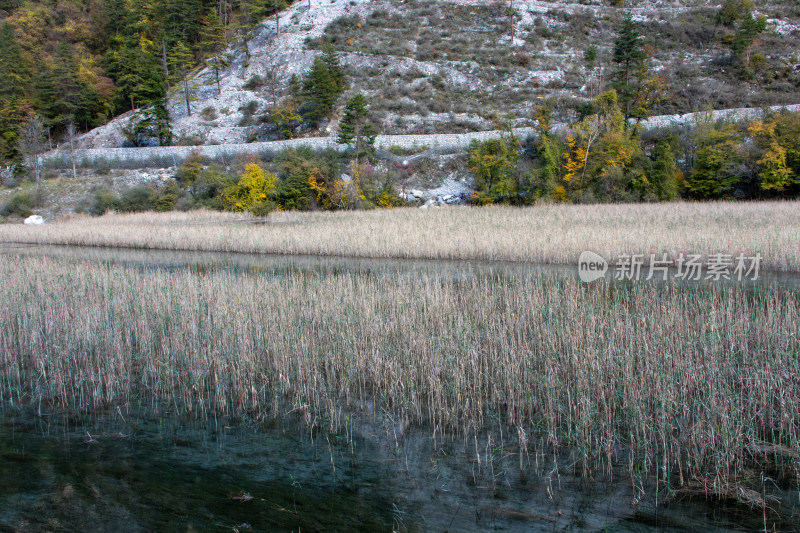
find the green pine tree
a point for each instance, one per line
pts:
(322, 86)
(747, 32)
(14, 71)
(116, 16)
(13, 114)
(137, 71)
(664, 171)
(216, 64)
(181, 60)
(355, 127)
(320, 91)
(62, 96)
(295, 86)
(331, 61)
(636, 87)
(212, 34)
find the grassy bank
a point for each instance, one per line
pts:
(696, 387)
(547, 234)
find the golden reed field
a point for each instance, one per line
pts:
(541, 234)
(697, 388)
(694, 386)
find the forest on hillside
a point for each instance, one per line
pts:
(75, 64)
(79, 63)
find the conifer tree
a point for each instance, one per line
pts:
(749, 29)
(14, 107)
(636, 87)
(320, 91)
(355, 128)
(115, 16)
(664, 171)
(216, 64)
(213, 42)
(62, 96)
(212, 33)
(331, 61)
(137, 71)
(742, 27)
(70, 103)
(253, 11)
(322, 86)
(13, 70)
(181, 67)
(13, 113)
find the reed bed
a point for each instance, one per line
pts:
(542, 234)
(694, 386)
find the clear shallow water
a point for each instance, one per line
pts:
(125, 471)
(156, 475)
(106, 473)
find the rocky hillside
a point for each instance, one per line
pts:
(435, 72)
(453, 66)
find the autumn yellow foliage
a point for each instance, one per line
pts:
(775, 173)
(254, 187)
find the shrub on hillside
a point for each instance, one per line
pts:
(209, 113)
(19, 204)
(104, 200)
(135, 199)
(254, 83)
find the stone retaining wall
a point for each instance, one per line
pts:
(731, 115)
(167, 156)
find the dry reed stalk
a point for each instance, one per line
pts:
(672, 383)
(545, 234)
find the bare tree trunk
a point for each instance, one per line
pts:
(186, 96)
(358, 142)
(511, 12)
(33, 142)
(223, 12)
(589, 142)
(272, 83)
(71, 133)
(164, 61)
(600, 75)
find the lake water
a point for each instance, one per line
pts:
(132, 469)
(109, 472)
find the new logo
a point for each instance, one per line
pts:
(591, 267)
